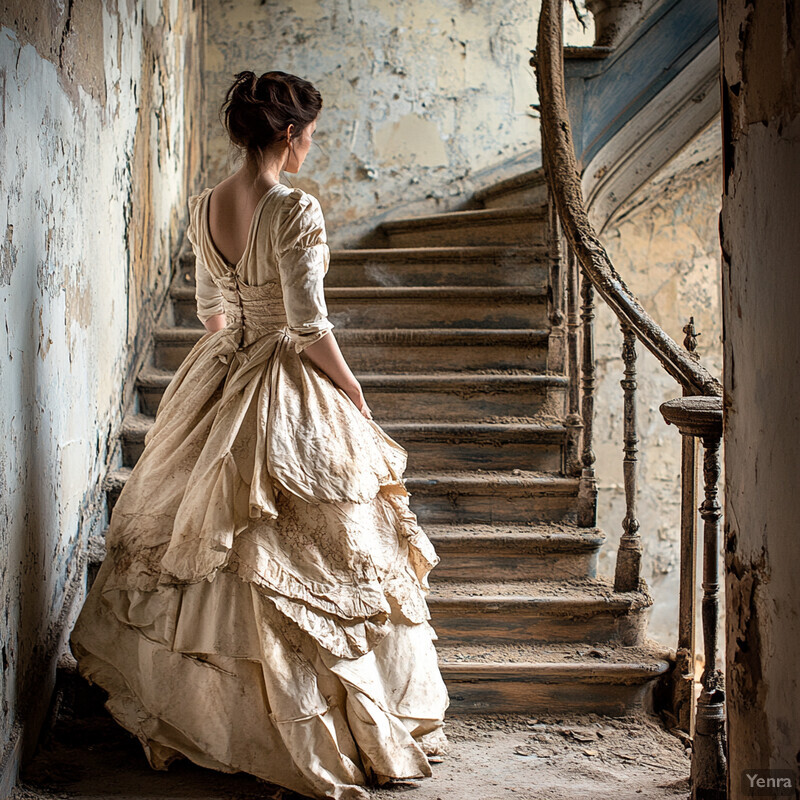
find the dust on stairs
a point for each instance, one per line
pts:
(446, 328)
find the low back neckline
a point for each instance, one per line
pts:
(250, 232)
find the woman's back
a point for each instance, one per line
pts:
(231, 206)
(285, 246)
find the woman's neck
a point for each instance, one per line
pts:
(263, 175)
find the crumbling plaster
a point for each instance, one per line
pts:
(92, 206)
(761, 297)
(424, 102)
(665, 243)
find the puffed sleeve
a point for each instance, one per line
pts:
(303, 257)
(206, 293)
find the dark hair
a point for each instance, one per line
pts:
(257, 111)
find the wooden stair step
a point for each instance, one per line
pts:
(465, 496)
(581, 609)
(396, 350)
(531, 677)
(444, 396)
(442, 445)
(413, 306)
(514, 551)
(491, 496)
(477, 265)
(526, 188)
(518, 225)
(434, 444)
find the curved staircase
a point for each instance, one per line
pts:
(447, 329)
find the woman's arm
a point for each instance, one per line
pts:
(325, 353)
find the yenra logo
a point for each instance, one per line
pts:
(768, 783)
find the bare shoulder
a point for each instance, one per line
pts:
(227, 193)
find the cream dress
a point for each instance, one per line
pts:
(262, 606)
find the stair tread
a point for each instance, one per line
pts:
(135, 426)
(554, 535)
(568, 655)
(494, 478)
(441, 252)
(567, 591)
(157, 376)
(467, 479)
(515, 182)
(395, 335)
(184, 292)
(469, 217)
(463, 252)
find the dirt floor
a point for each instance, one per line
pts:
(490, 757)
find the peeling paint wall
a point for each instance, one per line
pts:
(761, 298)
(666, 246)
(96, 148)
(424, 102)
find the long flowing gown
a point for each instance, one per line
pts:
(262, 605)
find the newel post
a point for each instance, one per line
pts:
(701, 417)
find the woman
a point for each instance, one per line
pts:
(262, 606)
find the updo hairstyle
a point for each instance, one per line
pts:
(257, 111)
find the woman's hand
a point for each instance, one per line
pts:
(357, 396)
(325, 353)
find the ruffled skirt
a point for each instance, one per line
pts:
(262, 604)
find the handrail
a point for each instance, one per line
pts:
(563, 178)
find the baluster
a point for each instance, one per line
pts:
(702, 417)
(709, 764)
(574, 422)
(629, 555)
(587, 494)
(555, 252)
(683, 687)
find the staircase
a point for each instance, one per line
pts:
(447, 329)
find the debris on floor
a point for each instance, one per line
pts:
(490, 757)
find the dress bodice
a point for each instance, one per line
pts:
(254, 310)
(277, 285)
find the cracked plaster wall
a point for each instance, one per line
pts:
(761, 297)
(665, 243)
(424, 102)
(94, 142)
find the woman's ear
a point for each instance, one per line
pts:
(289, 132)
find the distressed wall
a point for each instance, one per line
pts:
(665, 244)
(423, 102)
(761, 297)
(96, 146)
